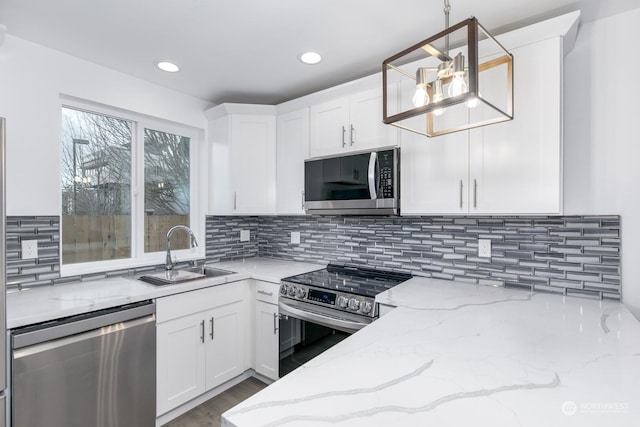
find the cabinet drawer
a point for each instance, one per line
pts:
(184, 304)
(267, 292)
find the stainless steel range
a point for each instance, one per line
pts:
(322, 307)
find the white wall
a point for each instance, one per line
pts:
(602, 123)
(32, 78)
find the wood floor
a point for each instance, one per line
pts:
(208, 414)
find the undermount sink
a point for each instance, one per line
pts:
(173, 277)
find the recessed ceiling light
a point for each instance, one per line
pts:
(167, 66)
(310, 57)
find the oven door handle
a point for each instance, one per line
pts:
(331, 322)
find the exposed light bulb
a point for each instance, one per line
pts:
(421, 97)
(458, 86)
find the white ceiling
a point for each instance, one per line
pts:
(246, 50)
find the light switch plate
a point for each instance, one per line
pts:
(245, 236)
(29, 249)
(484, 248)
(295, 237)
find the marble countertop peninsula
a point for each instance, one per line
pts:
(454, 354)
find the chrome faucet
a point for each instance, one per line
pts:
(168, 265)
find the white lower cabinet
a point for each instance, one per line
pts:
(197, 352)
(267, 331)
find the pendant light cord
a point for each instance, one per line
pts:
(447, 9)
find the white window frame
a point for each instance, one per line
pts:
(196, 215)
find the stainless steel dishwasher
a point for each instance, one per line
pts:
(97, 369)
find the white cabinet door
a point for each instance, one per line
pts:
(267, 336)
(292, 150)
(329, 124)
(225, 343)
(366, 129)
(434, 174)
(253, 164)
(180, 361)
(516, 166)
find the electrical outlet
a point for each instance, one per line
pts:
(295, 237)
(29, 249)
(245, 236)
(484, 248)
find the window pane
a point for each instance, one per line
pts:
(166, 189)
(96, 187)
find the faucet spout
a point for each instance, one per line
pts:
(168, 265)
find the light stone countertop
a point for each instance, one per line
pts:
(455, 354)
(42, 304)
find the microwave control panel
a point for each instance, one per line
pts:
(386, 163)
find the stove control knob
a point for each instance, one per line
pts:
(283, 289)
(366, 308)
(354, 304)
(301, 293)
(343, 302)
(291, 291)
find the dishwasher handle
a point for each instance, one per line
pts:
(78, 324)
(102, 332)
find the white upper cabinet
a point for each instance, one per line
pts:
(292, 149)
(350, 123)
(513, 167)
(243, 159)
(516, 166)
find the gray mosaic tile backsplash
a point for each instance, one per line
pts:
(571, 255)
(41, 270)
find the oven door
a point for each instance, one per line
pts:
(304, 333)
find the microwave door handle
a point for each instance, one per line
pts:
(373, 160)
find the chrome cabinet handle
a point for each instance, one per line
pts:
(265, 293)
(276, 317)
(211, 334)
(202, 331)
(353, 135)
(235, 200)
(475, 193)
(303, 200)
(461, 187)
(344, 132)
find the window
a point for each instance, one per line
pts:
(166, 188)
(108, 220)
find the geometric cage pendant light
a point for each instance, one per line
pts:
(458, 79)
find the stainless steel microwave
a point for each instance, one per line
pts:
(364, 183)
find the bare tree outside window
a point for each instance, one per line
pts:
(166, 188)
(96, 187)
